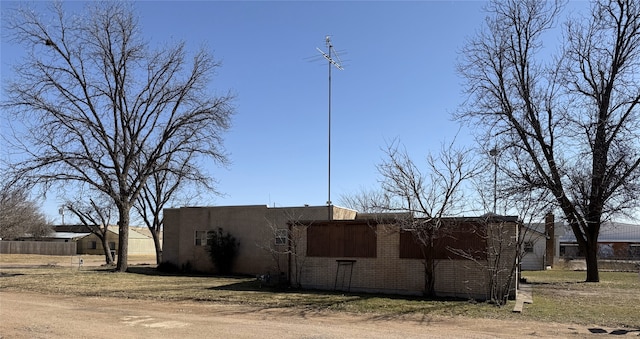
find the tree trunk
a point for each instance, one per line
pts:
(123, 237)
(591, 257)
(429, 277)
(588, 244)
(156, 242)
(107, 251)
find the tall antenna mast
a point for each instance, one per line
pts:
(333, 61)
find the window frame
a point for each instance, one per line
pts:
(281, 236)
(200, 238)
(528, 246)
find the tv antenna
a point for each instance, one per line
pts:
(333, 61)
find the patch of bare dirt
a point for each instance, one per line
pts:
(31, 315)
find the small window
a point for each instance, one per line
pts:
(570, 251)
(112, 245)
(93, 245)
(528, 247)
(201, 238)
(281, 236)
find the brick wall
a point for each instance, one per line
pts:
(388, 273)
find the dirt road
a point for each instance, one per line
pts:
(28, 315)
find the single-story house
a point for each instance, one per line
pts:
(89, 243)
(384, 256)
(260, 230)
(541, 244)
(617, 240)
(329, 247)
(56, 243)
(79, 240)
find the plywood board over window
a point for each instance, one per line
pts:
(448, 243)
(341, 240)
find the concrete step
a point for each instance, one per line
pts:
(524, 296)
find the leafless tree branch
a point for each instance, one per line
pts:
(101, 109)
(569, 124)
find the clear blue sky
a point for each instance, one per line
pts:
(399, 81)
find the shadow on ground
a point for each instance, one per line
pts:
(597, 330)
(6, 275)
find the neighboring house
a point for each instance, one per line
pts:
(330, 247)
(84, 242)
(89, 242)
(534, 248)
(57, 243)
(541, 244)
(616, 241)
(139, 243)
(58, 237)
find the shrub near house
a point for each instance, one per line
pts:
(223, 249)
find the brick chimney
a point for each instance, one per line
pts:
(549, 230)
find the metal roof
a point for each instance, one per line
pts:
(559, 228)
(610, 232)
(67, 235)
(81, 231)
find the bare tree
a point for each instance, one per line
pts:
(502, 267)
(284, 244)
(95, 215)
(163, 187)
(19, 215)
(150, 203)
(421, 200)
(100, 108)
(365, 201)
(531, 208)
(570, 124)
(525, 208)
(495, 184)
(498, 258)
(528, 207)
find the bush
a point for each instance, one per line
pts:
(223, 249)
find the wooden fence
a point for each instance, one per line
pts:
(38, 247)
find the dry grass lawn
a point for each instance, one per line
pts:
(558, 295)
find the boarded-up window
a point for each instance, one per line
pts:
(460, 241)
(410, 247)
(341, 240)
